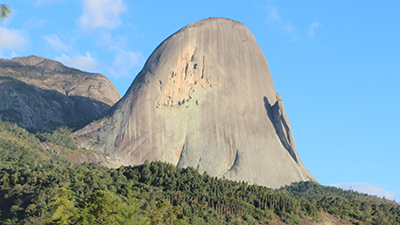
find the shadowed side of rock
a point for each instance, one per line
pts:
(40, 94)
(37, 110)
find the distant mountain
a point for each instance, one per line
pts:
(40, 94)
(205, 98)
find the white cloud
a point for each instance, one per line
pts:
(273, 14)
(12, 38)
(83, 62)
(13, 54)
(101, 13)
(8, 54)
(313, 27)
(34, 23)
(44, 2)
(124, 61)
(288, 28)
(55, 42)
(274, 19)
(371, 189)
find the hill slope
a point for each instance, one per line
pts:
(41, 94)
(38, 180)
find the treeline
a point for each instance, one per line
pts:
(314, 191)
(55, 146)
(60, 136)
(347, 204)
(14, 141)
(158, 193)
(41, 187)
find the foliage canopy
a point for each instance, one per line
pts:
(4, 11)
(39, 186)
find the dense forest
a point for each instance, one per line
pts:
(40, 184)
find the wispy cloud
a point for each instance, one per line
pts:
(13, 39)
(101, 13)
(124, 61)
(8, 54)
(13, 54)
(313, 27)
(273, 15)
(44, 2)
(83, 62)
(54, 41)
(371, 189)
(274, 19)
(34, 23)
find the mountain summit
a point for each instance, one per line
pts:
(205, 98)
(41, 94)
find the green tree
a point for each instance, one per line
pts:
(102, 207)
(164, 213)
(63, 207)
(26, 159)
(132, 214)
(4, 11)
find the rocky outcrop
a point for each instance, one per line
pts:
(282, 126)
(40, 94)
(205, 98)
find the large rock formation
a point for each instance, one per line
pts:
(205, 98)
(41, 94)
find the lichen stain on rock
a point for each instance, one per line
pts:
(179, 151)
(190, 72)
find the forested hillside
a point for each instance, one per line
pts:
(40, 185)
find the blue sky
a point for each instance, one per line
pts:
(335, 64)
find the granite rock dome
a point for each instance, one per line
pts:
(205, 98)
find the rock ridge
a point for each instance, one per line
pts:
(40, 94)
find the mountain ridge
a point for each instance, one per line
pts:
(41, 94)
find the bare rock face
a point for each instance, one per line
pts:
(205, 98)
(41, 94)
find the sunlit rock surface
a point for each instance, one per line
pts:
(205, 98)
